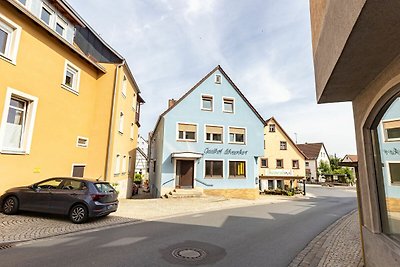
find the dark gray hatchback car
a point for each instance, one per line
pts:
(80, 199)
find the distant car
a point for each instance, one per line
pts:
(80, 199)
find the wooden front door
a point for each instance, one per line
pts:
(185, 171)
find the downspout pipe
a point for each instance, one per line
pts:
(112, 120)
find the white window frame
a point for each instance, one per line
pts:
(44, 5)
(244, 139)
(77, 165)
(286, 145)
(187, 140)
(84, 138)
(13, 40)
(117, 169)
(245, 169)
(63, 23)
(218, 78)
(233, 104)
(124, 86)
(124, 159)
(76, 80)
(214, 177)
(273, 125)
(212, 102)
(27, 5)
(384, 132)
(121, 122)
(211, 141)
(29, 124)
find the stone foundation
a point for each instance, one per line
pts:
(250, 193)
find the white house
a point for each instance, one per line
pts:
(316, 153)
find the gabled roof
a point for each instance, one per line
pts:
(287, 136)
(311, 150)
(199, 83)
(351, 158)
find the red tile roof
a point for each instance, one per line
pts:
(311, 150)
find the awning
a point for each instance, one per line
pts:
(188, 155)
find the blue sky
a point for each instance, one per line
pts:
(263, 45)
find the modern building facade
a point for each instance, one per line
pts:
(210, 139)
(356, 47)
(62, 93)
(315, 153)
(283, 163)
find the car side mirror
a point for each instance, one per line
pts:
(34, 187)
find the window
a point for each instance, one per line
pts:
(78, 170)
(218, 79)
(17, 122)
(283, 145)
(22, 2)
(264, 163)
(237, 135)
(307, 164)
(132, 130)
(82, 141)
(207, 103)
(279, 163)
(394, 172)
(279, 184)
(121, 122)
(71, 77)
(50, 184)
(214, 134)
(187, 132)
(10, 34)
(295, 164)
(61, 26)
(228, 105)
(237, 169)
(392, 130)
(214, 169)
(123, 89)
(272, 128)
(46, 14)
(73, 185)
(124, 165)
(117, 164)
(270, 184)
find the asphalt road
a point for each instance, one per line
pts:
(265, 235)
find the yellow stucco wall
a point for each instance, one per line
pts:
(61, 116)
(272, 152)
(124, 144)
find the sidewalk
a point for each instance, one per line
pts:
(338, 245)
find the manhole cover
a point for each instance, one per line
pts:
(189, 254)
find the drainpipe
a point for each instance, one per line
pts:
(108, 153)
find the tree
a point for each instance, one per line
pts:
(324, 168)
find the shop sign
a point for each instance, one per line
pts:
(394, 151)
(227, 151)
(280, 172)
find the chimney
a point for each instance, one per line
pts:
(171, 102)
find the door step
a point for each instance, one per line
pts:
(184, 193)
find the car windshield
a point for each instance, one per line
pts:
(104, 187)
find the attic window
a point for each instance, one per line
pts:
(218, 79)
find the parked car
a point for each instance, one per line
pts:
(80, 199)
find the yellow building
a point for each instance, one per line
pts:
(283, 163)
(69, 104)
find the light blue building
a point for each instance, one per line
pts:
(208, 140)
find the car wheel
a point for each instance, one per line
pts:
(10, 205)
(78, 214)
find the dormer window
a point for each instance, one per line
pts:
(46, 14)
